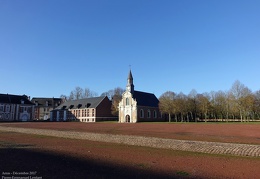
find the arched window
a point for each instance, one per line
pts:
(126, 101)
(154, 114)
(141, 113)
(148, 113)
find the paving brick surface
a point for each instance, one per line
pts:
(183, 145)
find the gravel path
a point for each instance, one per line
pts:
(184, 145)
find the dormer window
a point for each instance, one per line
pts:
(22, 101)
(46, 103)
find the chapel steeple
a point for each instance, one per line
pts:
(130, 83)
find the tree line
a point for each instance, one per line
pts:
(79, 93)
(237, 103)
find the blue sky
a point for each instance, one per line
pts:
(48, 47)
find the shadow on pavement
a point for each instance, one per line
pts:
(47, 165)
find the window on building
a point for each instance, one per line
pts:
(22, 109)
(142, 113)
(126, 101)
(93, 112)
(1, 108)
(154, 114)
(148, 113)
(7, 108)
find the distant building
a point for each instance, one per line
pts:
(84, 110)
(43, 106)
(16, 108)
(137, 106)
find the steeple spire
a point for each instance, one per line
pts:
(130, 83)
(130, 76)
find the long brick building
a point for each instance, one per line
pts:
(84, 110)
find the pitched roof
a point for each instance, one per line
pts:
(145, 99)
(42, 101)
(82, 103)
(14, 99)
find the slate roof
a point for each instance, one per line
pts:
(14, 99)
(130, 76)
(42, 101)
(82, 103)
(145, 99)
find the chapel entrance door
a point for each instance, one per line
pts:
(127, 118)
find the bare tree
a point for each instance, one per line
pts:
(240, 93)
(115, 96)
(88, 93)
(109, 94)
(180, 104)
(203, 105)
(71, 96)
(247, 103)
(220, 104)
(256, 107)
(79, 93)
(193, 102)
(63, 97)
(166, 104)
